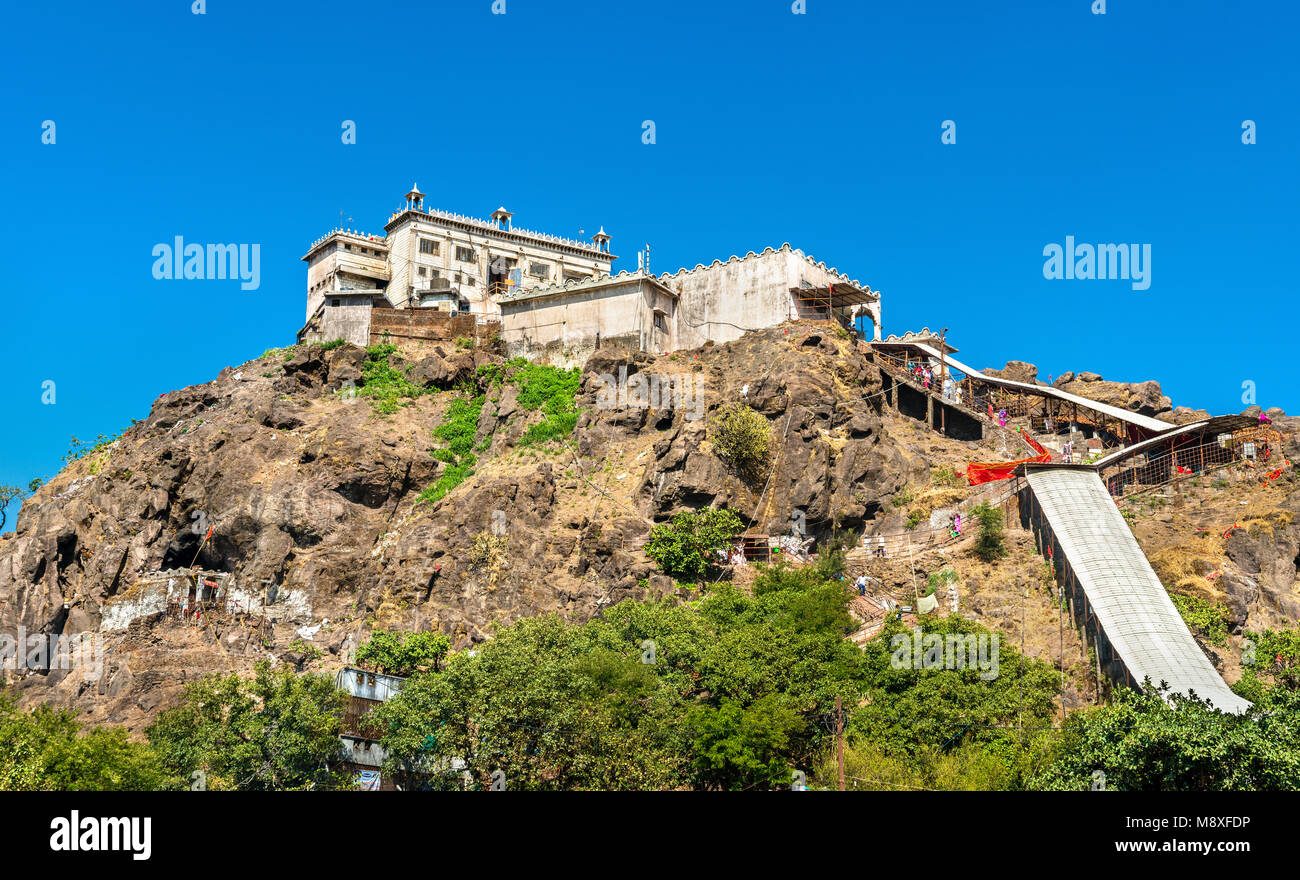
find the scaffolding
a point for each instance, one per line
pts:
(831, 302)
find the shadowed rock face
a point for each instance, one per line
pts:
(276, 476)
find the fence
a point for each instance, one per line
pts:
(998, 494)
(1146, 473)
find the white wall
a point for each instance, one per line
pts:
(563, 330)
(724, 300)
(405, 259)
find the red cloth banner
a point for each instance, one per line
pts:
(986, 472)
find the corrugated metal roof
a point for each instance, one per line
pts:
(1131, 604)
(1145, 422)
(368, 685)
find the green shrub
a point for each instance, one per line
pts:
(687, 545)
(1206, 617)
(302, 646)
(452, 477)
(388, 387)
(991, 544)
(332, 344)
(460, 424)
(904, 496)
(458, 427)
(1269, 657)
(81, 448)
(742, 437)
(550, 389)
(940, 579)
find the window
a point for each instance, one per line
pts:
(470, 280)
(464, 254)
(660, 323)
(428, 246)
(575, 276)
(335, 302)
(420, 270)
(539, 270)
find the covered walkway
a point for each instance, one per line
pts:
(1114, 593)
(1126, 426)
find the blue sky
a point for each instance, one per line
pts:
(821, 129)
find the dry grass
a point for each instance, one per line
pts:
(1260, 523)
(390, 613)
(1182, 568)
(489, 551)
(927, 501)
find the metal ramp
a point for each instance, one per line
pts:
(1139, 625)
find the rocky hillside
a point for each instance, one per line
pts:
(278, 475)
(333, 491)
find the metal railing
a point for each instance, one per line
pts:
(1149, 472)
(920, 539)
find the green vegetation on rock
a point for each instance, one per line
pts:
(387, 387)
(742, 437)
(687, 545)
(403, 653)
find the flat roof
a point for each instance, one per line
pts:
(376, 241)
(840, 293)
(487, 227)
(1216, 424)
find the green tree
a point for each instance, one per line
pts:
(554, 706)
(742, 437)
(1158, 741)
(49, 750)
(9, 494)
(276, 731)
(729, 692)
(740, 747)
(991, 544)
(1002, 705)
(403, 653)
(687, 545)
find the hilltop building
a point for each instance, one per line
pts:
(432, 258)
(436, 275)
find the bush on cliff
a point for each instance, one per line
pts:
(687, 545)
(742, 437)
